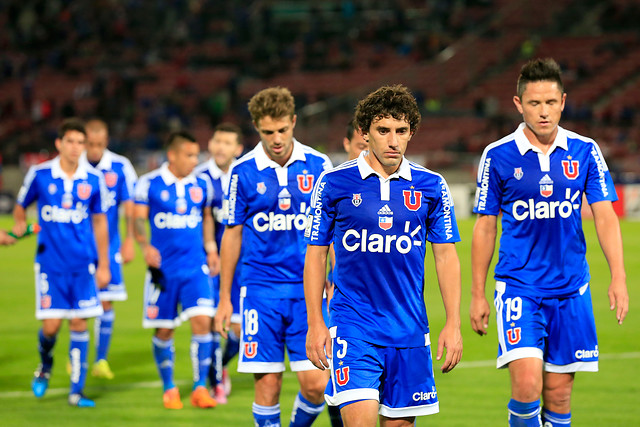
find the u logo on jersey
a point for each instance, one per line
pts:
(417, 199)
(111, 179)
(84, 190)
(342, 375)
(570, 168)
(514, 335)
(250, 349)
(196, 194)
(305, 183)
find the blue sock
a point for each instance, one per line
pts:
(215, 370)
(201, 358)
(231, 348)
(304, 412)
(553, 419)
(266, 415)
(524, 414)
(45, 348)
(163, 353)
(103, 330)
(78, 350)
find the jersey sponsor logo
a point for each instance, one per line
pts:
(230, 211)
(587, 354)
(424, 395)
(284, 199)
(152, 311)
(514, 335)
(447, 203)
(261, 188)
(250, 349)
(342, 375)
(52, 188)
(110, 178)
(271, 221)
(84, 190)
(517, 173)
(570, 168)
(305, 183)
(531, 209)
(316, 212)
(546, 186)
(356, 200)
(352, 241)
(483, 189)
(385, 218)
(412, 199)
(601, 171)
(196, 194)
(45, 301)
(181, 205)
(168, 220)
(64, 216)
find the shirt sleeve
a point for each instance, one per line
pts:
(130, 178)
(442, 218)
(599, 184)
(321, 215)
(29, 190)
(489, 186)
(236, 204)
(142, 191)
(99, 202)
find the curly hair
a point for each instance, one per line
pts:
(275, 102)
(539, 70)
(388, 101)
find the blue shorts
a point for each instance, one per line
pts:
(269, 325)
(401, 379)
(115, 290)
(66, 295)
(236, 316)
(560, 331)
(191, 289)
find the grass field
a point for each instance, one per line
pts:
(474, 394)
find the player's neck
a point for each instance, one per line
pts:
(384, 171)
(69, 167)
(543, 142)
(173, 170)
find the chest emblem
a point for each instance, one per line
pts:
(385, 217)
(517, 173)
(546, 186)
(570, 168)
(305, 183)
(196, 194)
(84, 190)
(52, 189)
(261, 188)
(412, 199)
(356, 199)
(111, 179)
(181, 205)
(67, 200)
(284, 199)
(164, 195)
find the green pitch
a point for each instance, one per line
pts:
(474, 394)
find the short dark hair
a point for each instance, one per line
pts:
(230, 127)
(72, 123)
(539, 70)
(178, 137)
(388, 101)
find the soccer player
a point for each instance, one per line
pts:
(536, 178)
(269, 193)
(120, 178)
(379, 211)
(181, 255)
(72, 202)
(224, 147)
(354, 143)
(6, 239)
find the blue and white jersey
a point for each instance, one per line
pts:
(542, 247)
(271, 201)
(175, 216)
(65, 205)
(120, 178)
(220, 185)
(379, 229)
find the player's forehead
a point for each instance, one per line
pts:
(272, 124)
(73, 135)
(389, 122)
(224, 136)
(543, 89)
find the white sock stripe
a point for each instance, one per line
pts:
(202, 338)
(526, 416)
(554, 420)
(108, 316)
(162, 343)
(265, 410)
(79, 336)
(306, 407)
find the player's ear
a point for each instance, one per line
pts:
(57, 143)
(238, 151)
(293, 120)
(518, 103)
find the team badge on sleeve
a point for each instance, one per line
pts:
(284, 199)
(517, 173)
(412, 199)
(570, 168)
(111, 179)
(84, 190)
(357, 199)
(305, 183)
(385, 218)
(546, 186)
(196, 194)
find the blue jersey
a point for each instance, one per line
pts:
(220, 185)
(542, 247)
(270, 201)
(379, 229)
(65, 205)
(175, 215)
(120, 177)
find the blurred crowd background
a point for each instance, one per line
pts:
(148, 67)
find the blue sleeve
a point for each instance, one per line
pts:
(142, 191)
(99, 202)
(442, 218)
(321, 217)
(489, 186)
(599, 184)
(29, 190)
(237, 205)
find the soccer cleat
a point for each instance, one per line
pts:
(102, 370)
(226, 381)
(40, 382)
(171, 399)
(219, 394)
(78, 400)
(200, 398)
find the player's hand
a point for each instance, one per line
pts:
(450, 339)
(619, 299)
(319, 345)
(213, 261)
(222, 320)
(479, 313)
(19, 228)
(127, 250)
(5, 239)
(103, 276)
(152, 256)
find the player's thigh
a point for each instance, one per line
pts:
(196, 294)
(360, 414)
(526, 378)
(66, 295)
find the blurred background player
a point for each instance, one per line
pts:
(379, 211)
(181, 255)
(120, 177)
(72, 202)
(354, 143)
(269, 192)
(224, 147)
(536, 178)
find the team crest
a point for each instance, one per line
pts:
(412, 199)
(181, 205)
(356, 199)
(250, 349)
(514, 335)
(305, 183)
(164, 195)
(196, 194)
(517, 173)
(385, 218)
(284, 199)
(45, 301)
(67, 200)
(52, 189)
(152, 311)
(111, 179)
(546, 186)
(84, 190)
(570, 168)
(261, 188)
(342, 376)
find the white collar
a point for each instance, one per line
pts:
(525, 145)
(404, 171)
(105, 161)
(57, 172)
(214, 170)
(263, 161)
(169, 178)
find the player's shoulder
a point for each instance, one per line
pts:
(577, 139)
(93, 173)
(501, 145)
(202, 168)
(344, 169)
(44, 167)
(244, 163)
(420, 171)
(120, 160)
(150, 176)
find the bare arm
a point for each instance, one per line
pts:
(151, 255)
(318, 338)
(101, 234)
(448, 272)
(482, 246)
(19, 220)
(208, 235)
(610, 238)
(127, 249)
(229, 256)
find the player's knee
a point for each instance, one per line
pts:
(164, 334)
(526, 387)
(557, 397)
(200, 325)
(313, 389)
(78, 325)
